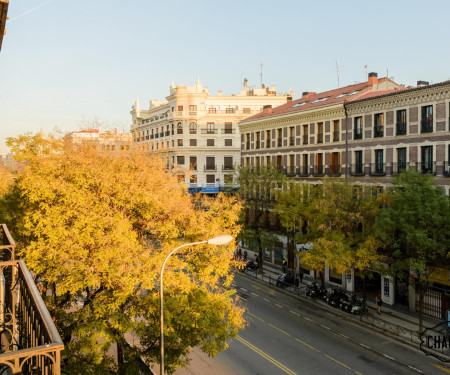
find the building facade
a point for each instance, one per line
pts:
(371, 135)
(109, 141)
(197, 132)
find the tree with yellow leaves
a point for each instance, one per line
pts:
(95, 229)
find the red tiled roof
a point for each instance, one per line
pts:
(371, 94)
(335, 96)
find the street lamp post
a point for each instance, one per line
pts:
(220, 240)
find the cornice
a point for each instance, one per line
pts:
(296, 118)
(405, 98)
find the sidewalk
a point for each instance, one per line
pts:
(395, 321)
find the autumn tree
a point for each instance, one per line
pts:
(415, 226)
(95, 228)
(257, 186)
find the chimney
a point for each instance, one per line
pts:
(422, 83)
(219, 93)
(289, 98)
(305, 94)
(373, 79)
(267, 109)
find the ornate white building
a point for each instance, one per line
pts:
(197, 132)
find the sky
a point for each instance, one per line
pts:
(65, 64)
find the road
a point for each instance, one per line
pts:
(287, 336)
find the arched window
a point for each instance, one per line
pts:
(180, 128)
(193, 128)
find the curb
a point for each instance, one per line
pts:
(311, 303)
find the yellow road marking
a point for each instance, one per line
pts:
(304, 343)
(266, 356)
(257, 317)
(335, 360)
(279, 329)
(255, 286)
(442, 368)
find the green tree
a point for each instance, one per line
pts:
(415, 226)
(95, 229)
(258, 186)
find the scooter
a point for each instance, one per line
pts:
(251, 265)
(314, 291)
(355, 305)
(338, 298)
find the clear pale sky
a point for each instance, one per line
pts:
(68, 62)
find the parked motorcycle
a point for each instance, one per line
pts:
(314, 291)
(338, 298)
(251, 265)
(354, 306)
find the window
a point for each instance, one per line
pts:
(320, 100)
(335, 130)
(228, 163)
(305, 134)
(378, 125)
(379, 162)
(427, 159)
(180, 142)
(305, 166)
(229, 110)
(210, 162)
(210, 142)
(335, 163)
(192, 128)
(228, 142)
(291, 136)
(268, 139)
(267, 160)
(401, 159)
(299, 104)
(258, 140)
(247, 141)
(427, 119)
(180, 108)
(354, 92)
(192, 142)
(180, 160)
(358, 163)
(357, 129)
(180, 128)
(193, 179)
(401, 122)
(193, 163)
(246, 110)
(320, 132)
(212, 110)
(210, 178)
(192, 108)
(228, 128)
(210, 128)
(180, 178)
(279, 137)
(318, 168)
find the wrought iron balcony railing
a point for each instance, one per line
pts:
(357, 169)
(30, 342)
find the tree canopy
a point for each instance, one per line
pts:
(95, 228)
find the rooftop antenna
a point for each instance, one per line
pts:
(337, 72)
(261, 74)
(365, 68)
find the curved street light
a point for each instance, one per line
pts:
(217, 241)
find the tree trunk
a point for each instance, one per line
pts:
(322, 277)
(120, 359)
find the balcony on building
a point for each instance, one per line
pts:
(319, 137)
(304, 171)
(378, 131)
(398, 168)
(290, 171)
(357, 169)
(446, 168)
(428, 167)
(401, 128)
(319, 170)
(157, 135)
(228, 131)
(279, 142)
(426, 125)
(247, 146)
(210, 167)
(228, 167)
(268, 143)
(209, 131)
(335, 170)
(291, 141)
(258, 145)
(305, 139)
(336, 136)
(377, 169)
(30, 342)
(161, 134)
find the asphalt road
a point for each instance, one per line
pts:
(286, 336)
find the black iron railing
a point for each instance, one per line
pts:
(30, 343)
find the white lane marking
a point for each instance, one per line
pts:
(365, 346)
(415, 369)
(279, 305)
(309, 320)
(325, 327)
(233, 284)
(265, 299)
(244, 289)
(255, 294)
(387, 356)
(293, 312)
(346, 337)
